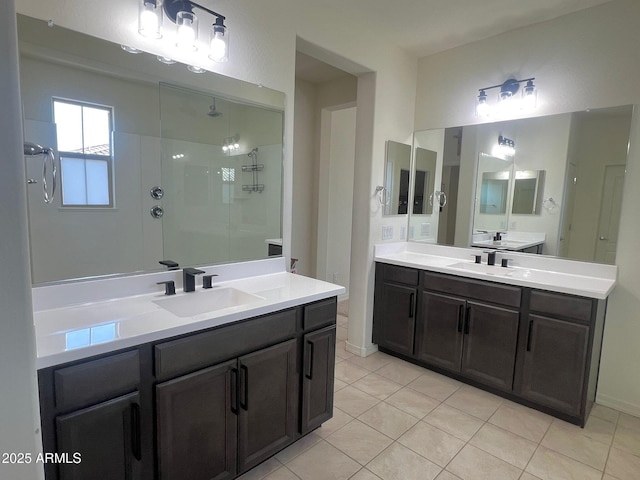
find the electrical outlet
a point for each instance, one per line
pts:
(403, 232)
(387, 232)
(425, 229)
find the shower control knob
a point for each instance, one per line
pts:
(157, 211)
(156, 192)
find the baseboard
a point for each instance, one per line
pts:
(361, 351)
(617, 404)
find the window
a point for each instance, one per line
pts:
(85, 148)
(228, 178)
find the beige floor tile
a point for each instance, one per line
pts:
(377, 386)
(432, 443)
(605, 413)
(549, 465)
(523, 421)
(453, 421)
(629, 421)
(595, 429)
(373, 362)
(412, 402)
(353, 401)
(339, 420)
(400, 463)
(282, 474)
(444, 475)
(435, 385)
(262, 470)
(527, 476)
(295, 449)
(623, 465)
(341, 332)
(388, 420)
(359, 441)
(474, 402)
(323, 461)
(505, 445)
(338, 384)
(341, 350)
(365, 474)
(576, 445)
(349, 373)
(475, 464)
(627, 439)
(400, 372)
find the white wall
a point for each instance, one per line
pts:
(583, 60)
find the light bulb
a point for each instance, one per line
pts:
(219, 42)
(225, 148)
(483, 109)
(529, 96)
(236, 145)
(187, 33)
(150, 19)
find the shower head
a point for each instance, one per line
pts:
(33, 149)
(212, 110)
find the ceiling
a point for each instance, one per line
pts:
(425, 27)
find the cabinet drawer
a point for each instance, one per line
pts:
(569, 306)
(320, 314)
(475, 289)
(96, 380)
(200, 350)
(393, 273)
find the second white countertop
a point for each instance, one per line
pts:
(536, 271)
(83, 328)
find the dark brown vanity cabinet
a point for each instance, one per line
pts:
(466, 336)
(538, 347)
(206, 405)
(394, 311)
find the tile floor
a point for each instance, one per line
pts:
(396, 421)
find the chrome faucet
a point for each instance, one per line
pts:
(189, 278)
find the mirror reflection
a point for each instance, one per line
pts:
(396, 178)
(425, 169)
(124, 125)
(559, 192)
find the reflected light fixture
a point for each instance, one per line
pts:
(181, 12)
(506, 147)
(509, 103)
(230, 144)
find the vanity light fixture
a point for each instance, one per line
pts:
(508, 102)
(506, 146)
(230, 144)
(181, 12)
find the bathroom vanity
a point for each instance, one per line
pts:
(197, 395)
(531, 332)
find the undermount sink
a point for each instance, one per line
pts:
(482, 268)
(203, 301)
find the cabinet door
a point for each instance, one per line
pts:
(319, 358)
(268, 398)
(490, 343)
(555, 363)
(107, 437)
(439, 330)
(394, 318)
(197, 426)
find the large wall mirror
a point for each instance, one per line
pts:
(123, 124)
(561, 183)
(397, 178)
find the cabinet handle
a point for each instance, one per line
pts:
(135, 432)
(310, 362)
(411, 298)
(529, 336)
(234, 391)
(467, 320)
(460, 317)
(245, 387)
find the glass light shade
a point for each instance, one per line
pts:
(187, 34)
(483, 109)
(150, 18)
(529, 97)
(194, 69)
(219, 43)
(509, 104)
(166, 60)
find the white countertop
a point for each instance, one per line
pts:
(273, 241)
(510, 240)
(592, 280)
(79, 313)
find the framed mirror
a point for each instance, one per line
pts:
(213, 145)
(425, 177)
(566, 177)
(397, 178)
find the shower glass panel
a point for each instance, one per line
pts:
(212, 213)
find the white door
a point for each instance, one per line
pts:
(610, 214)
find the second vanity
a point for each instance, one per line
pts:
(530, 332)
(208, 387)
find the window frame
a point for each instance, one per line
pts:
(109, 159)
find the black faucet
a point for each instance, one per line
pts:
(498, 236)
(491, 257)
(189, 278)
(170, 264)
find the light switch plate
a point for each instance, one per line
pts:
(387, 232)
